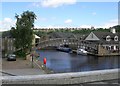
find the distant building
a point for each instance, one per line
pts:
(36, 39)
(92, 28)
(7, 43)
(58, 28)
(110, 41)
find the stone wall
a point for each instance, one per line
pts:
(104, 52)
(63, 78)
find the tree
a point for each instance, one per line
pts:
(23, 32)
(117, 27)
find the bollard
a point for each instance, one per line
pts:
(44, 61)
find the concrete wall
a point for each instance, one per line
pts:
(63, 78)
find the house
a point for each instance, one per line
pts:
(7, 42)
(36, 39)
(109, 41)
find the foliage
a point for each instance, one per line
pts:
(117, 27)
(82, 31)
(41, 33)
(23, 33)
(5, 33)
(87, 31)
(20, 53)
(101, 30)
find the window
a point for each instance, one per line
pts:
(8, 47)
(116, 38)
(11, 48)
(108, 38)
(92, 35)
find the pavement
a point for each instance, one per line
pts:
(20, 67)
(110, 82)
(22, 72)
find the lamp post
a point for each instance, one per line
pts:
(32, 60)
(33, 50)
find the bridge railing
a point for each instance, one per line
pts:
(68, 41)
(57, 41)
(64, 78)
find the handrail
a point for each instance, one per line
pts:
(63, 78)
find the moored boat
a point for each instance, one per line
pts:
(64, 49)
(81, 51)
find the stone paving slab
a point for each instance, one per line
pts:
(20, 67)
(21, 72)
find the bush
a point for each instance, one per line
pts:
(20, 53)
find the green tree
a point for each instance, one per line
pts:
(117, 27)
(23, 32)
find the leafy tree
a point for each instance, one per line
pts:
(23, 32)
(41, 33)
(117, 27)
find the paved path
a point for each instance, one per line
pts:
(19, 67)
(112, 82)
(17, 72)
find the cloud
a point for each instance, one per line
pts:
(49, 26)
(111, 23)
(108, 24)
(68, 21)
(36, 4)
(85, 26)
(94, 13)
(6, 24)
(54, 3)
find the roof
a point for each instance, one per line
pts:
(37, 36)
(6, 34)
(102, 36)
(81, 36)
(61, 35)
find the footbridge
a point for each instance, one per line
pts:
(66, 41)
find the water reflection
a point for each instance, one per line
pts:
(65, 62)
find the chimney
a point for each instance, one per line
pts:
(112, 30)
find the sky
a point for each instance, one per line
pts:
(62, 13)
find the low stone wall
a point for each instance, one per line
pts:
(63, 78)
(104, 52)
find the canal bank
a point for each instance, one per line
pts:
(23, 67)
(61, 62)
(35, 62)
(100, 54)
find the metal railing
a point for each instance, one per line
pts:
(64, 41)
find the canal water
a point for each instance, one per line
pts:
(61, 62)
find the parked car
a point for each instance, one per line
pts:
(11, 57)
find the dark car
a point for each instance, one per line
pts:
(11, 57)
